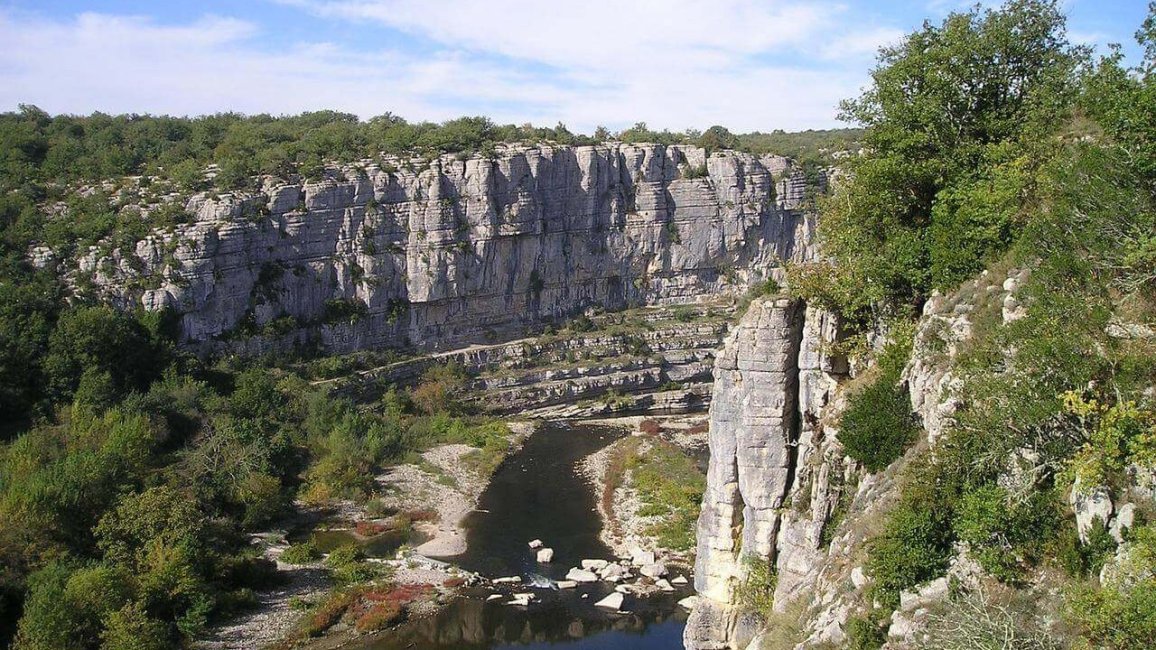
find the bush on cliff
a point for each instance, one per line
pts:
(878, 425)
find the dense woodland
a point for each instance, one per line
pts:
(130, 470)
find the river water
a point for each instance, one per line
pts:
(540, 493)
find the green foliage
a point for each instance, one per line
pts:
(131, 628)
(349, 566)
(877, 425)
(952, 116)
(810, 147)
(303, 553)
(1117, 619)
(101, 340)
(865, 633)
(716, 138)
(756, 590)
(914, 547)
(344, 310)
(1006, 535)
(669, 486)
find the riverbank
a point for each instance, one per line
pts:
(630, 521)
(433, 495)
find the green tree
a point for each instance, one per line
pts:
(945, 105)
(716, 138)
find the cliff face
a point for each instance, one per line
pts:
(776, 472)
(461, 251)
(779, 489)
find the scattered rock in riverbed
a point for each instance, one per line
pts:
(581, 575)
(679, 580)
(537, 543)
(507, 581)
(639, 557)
(613, 601)
(664, 585)
(613, 573)
(521, 600)
(594, 565)
(566, 584)
(653, 570)
(688, 602)
(545, 555)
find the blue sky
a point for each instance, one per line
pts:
(746, 64)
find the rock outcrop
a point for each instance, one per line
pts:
(779, 489)
(437, 254)
(776, 472)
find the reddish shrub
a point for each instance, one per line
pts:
(379, 617)
(422, 515)
(454, 583)
(650, 427)
(370, 528)
(699, 428)
(329, 613)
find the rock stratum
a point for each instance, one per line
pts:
(437, 254)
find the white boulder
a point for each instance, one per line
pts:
(581, 575)
(613, 601)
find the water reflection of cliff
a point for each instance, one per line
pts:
(474, 623)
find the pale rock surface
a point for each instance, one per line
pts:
(612, 601)
(581, 575)
(453, 252)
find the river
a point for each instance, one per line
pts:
(540, 493)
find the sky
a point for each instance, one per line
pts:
(750, 65)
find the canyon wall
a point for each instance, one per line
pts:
(776, 472)
(441, 253)
(780, 490)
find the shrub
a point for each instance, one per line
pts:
(1004, 535)
(756, 591)
(914, 547)
(131, 628)
(865, 633)
(328, 613)
(380, 616)
(303, 553)
(349, 566)
(878, 425)
(1115, 619)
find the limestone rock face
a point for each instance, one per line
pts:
(776, 471)
(779, 489)
(454, 251)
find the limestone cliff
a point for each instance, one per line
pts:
(776, 472)
(451, 251)
(779, 489)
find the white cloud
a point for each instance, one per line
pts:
(674, 64)
(860, 44)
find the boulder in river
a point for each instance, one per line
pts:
(545, 555)
(594, 565)
(537, 543)
(581, 575)
(613, 601)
